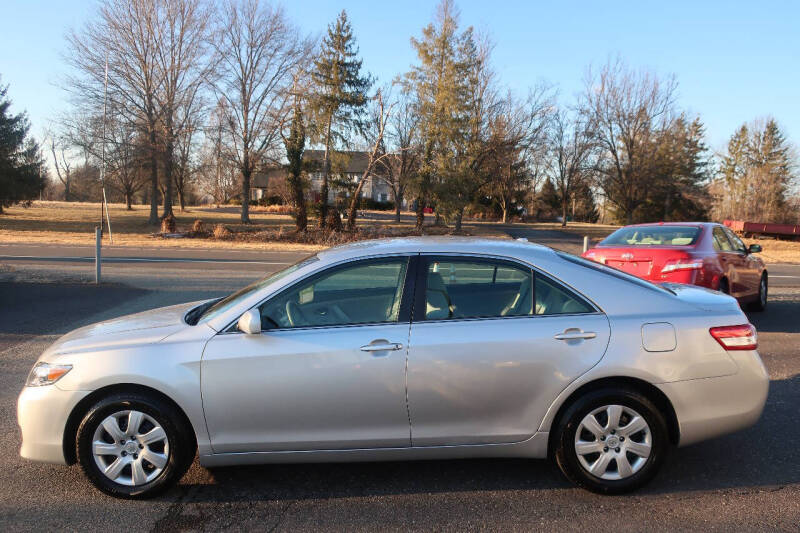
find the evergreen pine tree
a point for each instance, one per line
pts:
(340, 99)
(295, 145)
(22, 171)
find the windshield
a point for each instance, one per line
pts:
(653, 236)
(229, 301)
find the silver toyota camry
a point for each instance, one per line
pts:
(420, 348)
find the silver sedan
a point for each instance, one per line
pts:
(422, 348)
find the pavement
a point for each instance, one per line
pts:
(746, 481)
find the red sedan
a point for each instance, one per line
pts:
(697, 253)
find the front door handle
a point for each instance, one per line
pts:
(574, 334)
(384, 347)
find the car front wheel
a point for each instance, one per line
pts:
(611, 441)
(133, 446)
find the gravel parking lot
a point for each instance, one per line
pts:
(746, 481)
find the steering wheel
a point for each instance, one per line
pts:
(294, 314)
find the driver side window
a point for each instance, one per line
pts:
(364, 292)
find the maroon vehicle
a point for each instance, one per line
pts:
(696, 253)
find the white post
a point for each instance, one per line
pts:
(98, 239)
(585, 243)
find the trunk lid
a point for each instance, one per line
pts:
(643, 261)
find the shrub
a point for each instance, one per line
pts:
(198, 226)
(221, 232)
(168, 224)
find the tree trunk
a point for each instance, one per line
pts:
(246, 195)
(504, 207)
(181, 198)
(168, 169)
(326, 170)
(299, 201)
(351, 217)
(128, 200)
(398, 204)
(153, 220)
(420, 213)
(564, 201)
(459, 218)
(66, 191)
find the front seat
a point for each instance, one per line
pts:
(437, 300)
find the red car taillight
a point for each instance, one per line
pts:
(743, 337)
(682, 264)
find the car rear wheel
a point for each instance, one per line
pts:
(611, 441)
(763, 287)
(133, 446)
(723, 286)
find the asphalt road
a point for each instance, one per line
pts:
(747, 481)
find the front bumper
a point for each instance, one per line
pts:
(42, 414)
(711, 407)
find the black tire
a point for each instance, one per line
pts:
(564, 445)
(763, 289)
(724, 288)
(180, 437)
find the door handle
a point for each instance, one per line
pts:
(570, 335)
(387, 347)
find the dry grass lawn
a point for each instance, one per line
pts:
(74, 223)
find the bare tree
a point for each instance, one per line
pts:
(124, 158)
(403, 138)
(626, 111)
(218, 177)
(258, 50)
(61, 161)
(374, 132)
(517, 135)
(123, 35)
(571, 145)
(181, 32)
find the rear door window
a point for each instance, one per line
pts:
(475, 288)
(736, 242)
(721, 242)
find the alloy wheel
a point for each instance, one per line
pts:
(613, 442)
(130, 448)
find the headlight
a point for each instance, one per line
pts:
(46, 374)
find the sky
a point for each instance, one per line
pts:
(734, 61)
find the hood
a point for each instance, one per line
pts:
(706, 299)
(147, 327)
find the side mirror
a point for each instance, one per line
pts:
(754, 249)
(250, 322)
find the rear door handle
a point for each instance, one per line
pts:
(388, 347)
(573, 335)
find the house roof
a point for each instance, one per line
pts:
(350, 162)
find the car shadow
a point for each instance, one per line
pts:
(782, 315)
(756, 457)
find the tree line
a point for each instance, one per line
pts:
(201, 98)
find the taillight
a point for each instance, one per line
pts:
(682, 264)
(743, 337)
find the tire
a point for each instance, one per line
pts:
(614, 477)
(763, 289)
(724, 288)
(171, 455)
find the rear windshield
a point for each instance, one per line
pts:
(653, 236)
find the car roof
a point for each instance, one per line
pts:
(435, 244)
(691, 224)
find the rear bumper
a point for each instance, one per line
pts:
(42, 414)
(711, 407)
